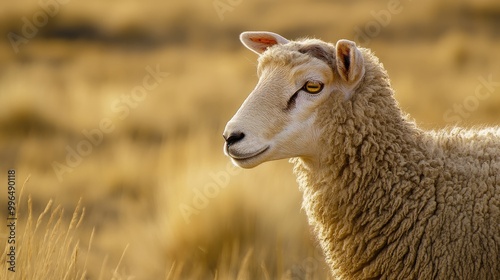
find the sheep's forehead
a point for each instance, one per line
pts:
(296, 53)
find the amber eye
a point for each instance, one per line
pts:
(313, 87)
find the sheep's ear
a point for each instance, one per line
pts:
(259, 41)
(350, 63)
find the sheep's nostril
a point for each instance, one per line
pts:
(234, 137)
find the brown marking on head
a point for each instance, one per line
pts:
(320, 53)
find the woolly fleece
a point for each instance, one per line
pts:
(391, 201)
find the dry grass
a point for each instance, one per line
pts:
(166, 150)
(45, 248)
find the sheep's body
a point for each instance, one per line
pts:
(391, 201)
(387, 200)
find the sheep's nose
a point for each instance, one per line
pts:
(233, 138)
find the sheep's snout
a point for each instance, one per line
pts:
(245, 149)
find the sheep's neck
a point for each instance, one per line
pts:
(351, 185)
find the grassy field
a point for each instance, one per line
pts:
(115, 111)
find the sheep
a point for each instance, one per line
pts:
(386, 199)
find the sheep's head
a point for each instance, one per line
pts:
(278, 119)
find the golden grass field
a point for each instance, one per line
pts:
(150, 195)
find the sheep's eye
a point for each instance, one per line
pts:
(313, 87)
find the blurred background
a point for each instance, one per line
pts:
(123, 104)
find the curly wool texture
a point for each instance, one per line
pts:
(391, 201)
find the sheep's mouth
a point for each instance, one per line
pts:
(244, 157)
